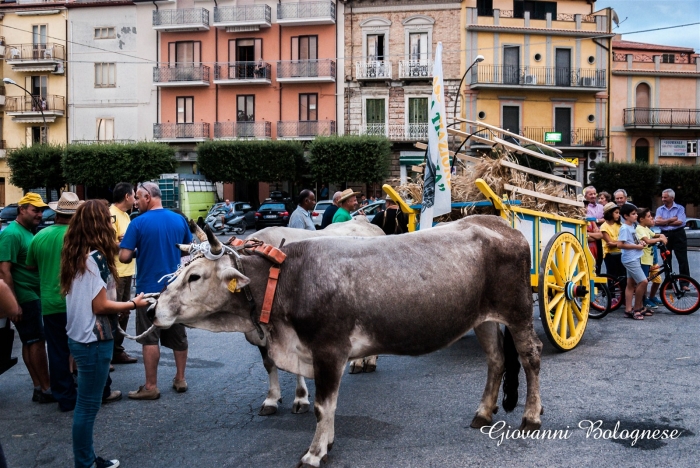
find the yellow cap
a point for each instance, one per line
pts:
(34, 199)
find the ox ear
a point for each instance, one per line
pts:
(230, 274)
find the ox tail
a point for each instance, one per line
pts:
(510, 378)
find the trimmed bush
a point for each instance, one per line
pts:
(684, 180)
(250, 160)
(340, 159)
(36, 166)
(639, 180)
(104, 165)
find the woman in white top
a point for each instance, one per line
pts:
(88, 271)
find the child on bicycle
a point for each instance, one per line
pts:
(610, 229)
(632, 251)
(645, 223)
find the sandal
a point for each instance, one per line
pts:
(647, 312)
(635, 314)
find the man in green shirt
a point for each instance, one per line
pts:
(346, 204)
(24, 283)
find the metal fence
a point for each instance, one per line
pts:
(243, 14)
(305, 10)
(673, 118)
(306, 68)
(373, 69)
(102, 142)
(35, 103)
(243, 71)
(165, 131)
(571, 137)
(180, 73)
(243, 130)
(538, 76)
(415, 69)
(305, 128)
(48, 51)
(397, 132)
(181, 17)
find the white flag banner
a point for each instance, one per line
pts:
(437, 196)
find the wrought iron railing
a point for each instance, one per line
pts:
(167, 131)
(415, 69)
(571, 137)
(373, 69)
(180, 73)
(30, 52)
(185, 16)
(396, 132)
(305, 128)
(243, 14)
(538, 76)
(243, 129)
(35, 103)
(655, 117)
(243, 71)
(286, 11)
(102, 142)
(306, 68)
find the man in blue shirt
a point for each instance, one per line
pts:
(151, 239)
(670, 218)
(327, 219)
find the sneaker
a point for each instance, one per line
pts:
(144, 394)
(35, 395)
(656, 301)
(102, 463)
(650, 304)
(116, 395)
(180, 386)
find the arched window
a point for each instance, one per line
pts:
(641, 151)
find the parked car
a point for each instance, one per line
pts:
(692, 232)
(273, 213)
(9, 213)
(48, 217)
(319, 209)
(370, 210)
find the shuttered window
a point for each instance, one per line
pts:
(374, 111)
(417, 110)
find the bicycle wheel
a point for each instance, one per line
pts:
(678, 300)
(600, 301)
(616, 291)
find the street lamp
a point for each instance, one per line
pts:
(45, 133)
(479, 58)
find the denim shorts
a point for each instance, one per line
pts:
(31, 327)
(634, 271)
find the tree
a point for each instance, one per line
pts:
(684, 180)
(640, 181)
(37, 166)
(104, 165)
(340, 159)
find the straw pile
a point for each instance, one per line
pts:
(496, 176)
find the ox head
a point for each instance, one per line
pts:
(202, 294)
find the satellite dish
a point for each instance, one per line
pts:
(615, 18)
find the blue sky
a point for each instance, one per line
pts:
(649, 14)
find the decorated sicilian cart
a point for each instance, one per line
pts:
(539, 204)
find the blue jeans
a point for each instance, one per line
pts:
(62, 383)
(93, 369)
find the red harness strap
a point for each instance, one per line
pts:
(269, 294)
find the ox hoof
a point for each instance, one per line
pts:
(495, 409)
(527, 426)
(300, 408)
(267, 410)
(369, 368)
(329, 447)
(479, 421)
(355, 368)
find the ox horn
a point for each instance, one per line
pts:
(184, 247)
(214, 244)
(197, 231)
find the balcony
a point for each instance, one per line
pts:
(373, 70)
(242, 73)
(397, 132)
(36, 57)
(189, 75)
(243, 130)
(571, 79)
(648, 118)
(102, 142)
(243, 18)
(574, 138)
(304, 129)
(187, 19)
(415, 70)
(306, 71)
(306, 13)
(34, 109)
(181, 132)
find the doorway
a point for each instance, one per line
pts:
(511, 65)
(562, 124)
(641, 151)
(563, 67)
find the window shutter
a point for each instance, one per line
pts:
(172, 55)
(258, 49)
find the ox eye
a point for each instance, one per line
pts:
(193, 278)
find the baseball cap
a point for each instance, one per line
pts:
(33, 199)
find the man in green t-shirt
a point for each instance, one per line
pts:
(14, 245)
(346, 204)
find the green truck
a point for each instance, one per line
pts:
(194, 197)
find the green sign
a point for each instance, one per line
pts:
(552, 137)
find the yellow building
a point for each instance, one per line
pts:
(545, 71)
(35, 59)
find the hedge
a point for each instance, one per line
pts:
(104, 165)
(36, 166)
(684, 180)
(348, 158)
(263, 161)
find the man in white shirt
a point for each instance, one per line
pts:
(301, 218)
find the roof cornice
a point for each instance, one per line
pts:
(540, 31)
(677, 74)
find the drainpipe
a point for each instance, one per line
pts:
(157, 64)
(347, 88)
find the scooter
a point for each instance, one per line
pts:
(236, 225)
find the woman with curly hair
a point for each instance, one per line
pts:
(88, 273)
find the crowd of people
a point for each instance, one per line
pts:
(621, 237)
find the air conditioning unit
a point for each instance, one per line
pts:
(588, 81)
(592, 160)
(530, 79)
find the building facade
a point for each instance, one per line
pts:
(545, 71)
(655, 107)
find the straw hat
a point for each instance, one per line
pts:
(347, 194)
(33, 199)
(67, 204)
(610, 207)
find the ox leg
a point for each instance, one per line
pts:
(274, 394)
(529, 349)
(356, 366)
(491, 340)
(301, 397)
(328, 371)
(370, 364)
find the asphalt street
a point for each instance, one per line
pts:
(412, 412)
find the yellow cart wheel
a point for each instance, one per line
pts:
(564, 291)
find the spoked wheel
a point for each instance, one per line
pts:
(600, 301)
(564, 288)
(617, 291)
(680, 294)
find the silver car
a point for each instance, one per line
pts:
(317, 214)
(692, 232)
(370, 210)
